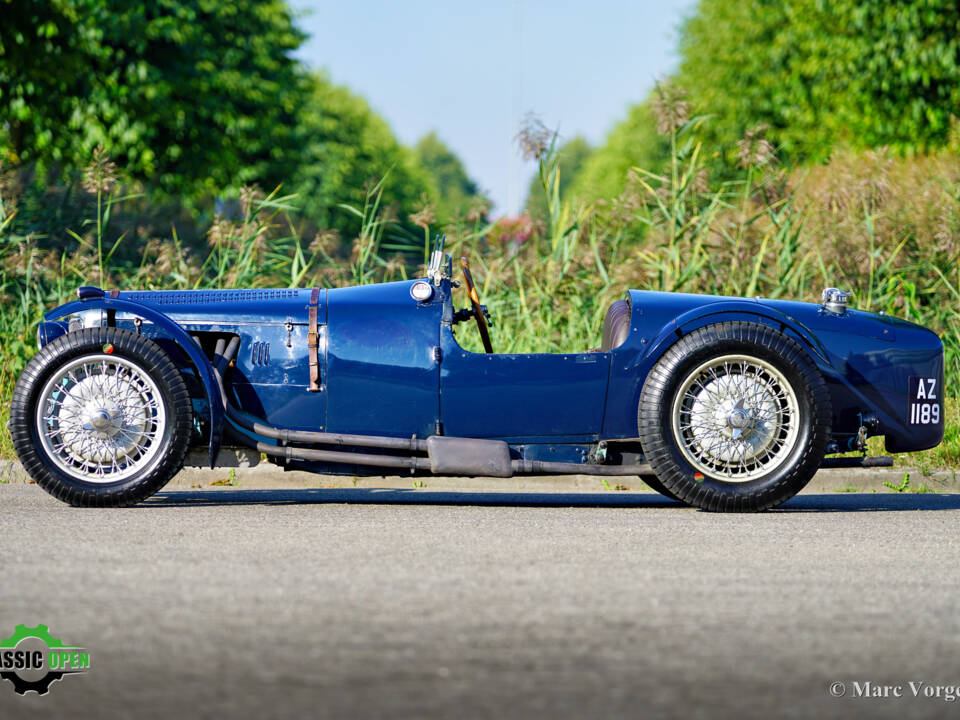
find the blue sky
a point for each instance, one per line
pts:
(471, 71)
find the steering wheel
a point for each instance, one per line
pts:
(478, 313)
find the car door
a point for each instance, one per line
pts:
(521, 397)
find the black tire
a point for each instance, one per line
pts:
(150, 359)
(654, 484)
(801, 457)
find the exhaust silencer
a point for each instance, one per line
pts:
(469, 456)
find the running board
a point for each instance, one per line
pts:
(857, 462)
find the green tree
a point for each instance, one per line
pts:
(345, 148)
(456, 192)
(191, 97)
(821, 72)
(906, 71)
(632, 142)
(44, 54)
(571, 157)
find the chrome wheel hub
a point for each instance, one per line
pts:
(738, 419)
(735, 418)
(101, 419)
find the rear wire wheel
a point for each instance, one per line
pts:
(734, 417)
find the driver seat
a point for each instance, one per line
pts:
(616, 326)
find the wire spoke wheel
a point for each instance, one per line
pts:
(736, 418)
(101, 419)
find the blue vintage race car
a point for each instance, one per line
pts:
(725, 403)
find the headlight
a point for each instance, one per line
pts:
(421, 291)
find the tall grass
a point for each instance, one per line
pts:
(887, 229)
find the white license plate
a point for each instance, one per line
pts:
(924, 401)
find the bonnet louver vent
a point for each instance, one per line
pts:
(260, 353)
(203, 297)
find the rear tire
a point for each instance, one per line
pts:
(101, 417)
(734, 417)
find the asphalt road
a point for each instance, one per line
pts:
(396, 603)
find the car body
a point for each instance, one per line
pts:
(383, 361)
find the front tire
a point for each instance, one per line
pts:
(654, 484)
(101, 417)
(734, 418)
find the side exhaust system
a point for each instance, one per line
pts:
(445, 455)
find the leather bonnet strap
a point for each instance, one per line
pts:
(313, 345)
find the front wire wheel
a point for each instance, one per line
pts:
(101, 417)
(734, 417)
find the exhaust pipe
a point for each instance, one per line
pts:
(455, 456)
(857, 462)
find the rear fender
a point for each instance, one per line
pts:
(732, 311)
(176, 333)
(859, 384)
(651, 336)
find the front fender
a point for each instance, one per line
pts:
(200, 361)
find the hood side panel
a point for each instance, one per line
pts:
(259, 306)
